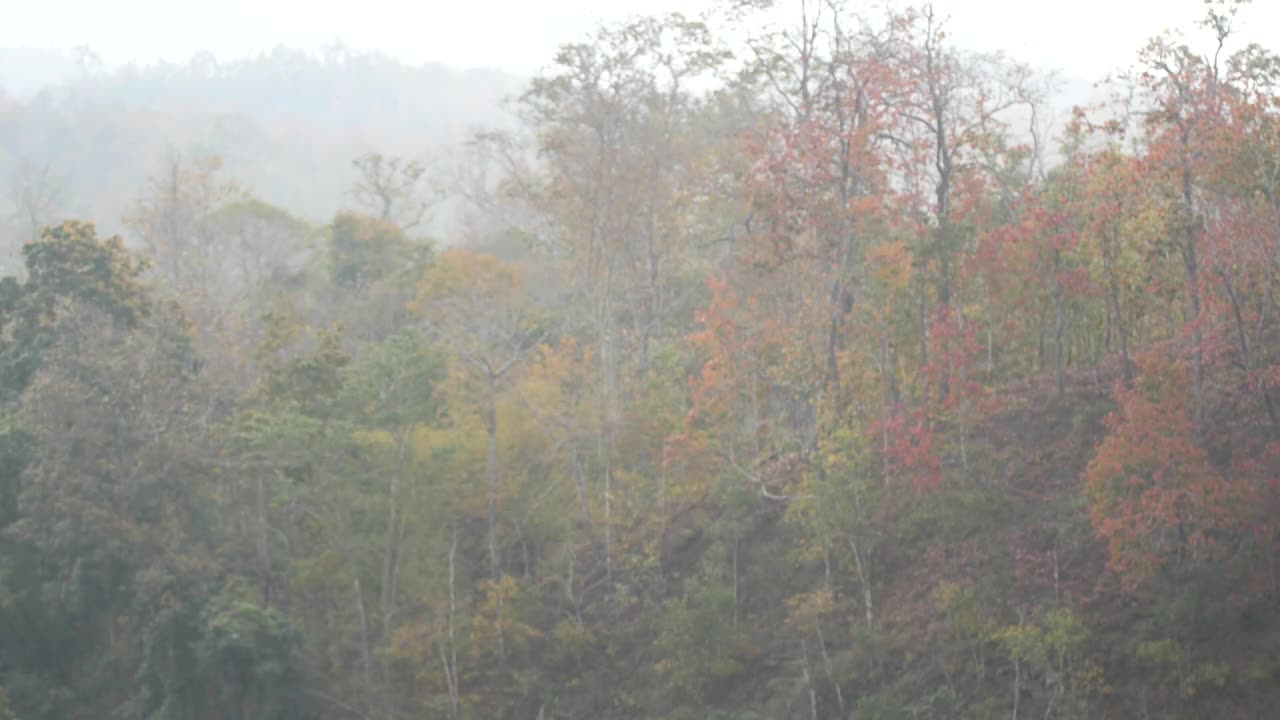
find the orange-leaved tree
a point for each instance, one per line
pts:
(1154, 496)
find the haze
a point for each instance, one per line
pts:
(1084, 39)
(573, 360)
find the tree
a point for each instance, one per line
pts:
(820, 162)
(1118, 232)
(37, 195)
(611, 121)
(951, 111)
(69, 265)
(391, 391)
(373, 268)
(109, 496)
(477, 306)
(173, 221)
(392, 190)
(364, 250)
(264, 244)
(1182, 95)
(1153, 494)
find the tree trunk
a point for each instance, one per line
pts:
(1059, 327)
(735, 580)
(1115, 314)
(1246, 359)
(391, 561)
(610, 348)
(450, 660)
(808, 680)
(264, 544)
(1191, 261)
(864, 581)
(366, 651)
(1040, 339)
(491, 430)
(826, 663)
(924, 326)
(991, 343)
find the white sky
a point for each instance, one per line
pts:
(1083, 38)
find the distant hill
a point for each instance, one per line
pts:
(26, 71)
(287, 123)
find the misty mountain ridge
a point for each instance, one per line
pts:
(286, 123)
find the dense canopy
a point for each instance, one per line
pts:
(807, 373)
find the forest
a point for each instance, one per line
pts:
(805, 372)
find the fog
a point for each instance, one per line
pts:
(445, 69)
(1084, 39)
(639, 360)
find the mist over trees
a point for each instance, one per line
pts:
(732, 371)
(286, 125)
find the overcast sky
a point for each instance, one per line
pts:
(1083, 38)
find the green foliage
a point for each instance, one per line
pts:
(71, 262)
(68, 266)
(307, 383)
(1048, 645)
(730, 715)
(230, 658)
(16, 449)
(32, 697)
(392, 384)
(498, 624)
(696, 635)
(250, 654)
(891, 703)
(365, 250)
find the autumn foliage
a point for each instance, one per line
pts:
(805, 379)
(1154, 495)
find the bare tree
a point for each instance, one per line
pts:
(394, 189)
(36, 195)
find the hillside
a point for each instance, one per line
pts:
(775, 376)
